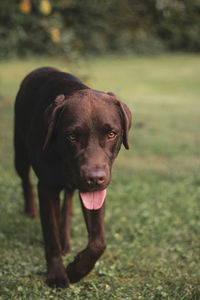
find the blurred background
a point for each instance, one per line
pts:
(86, 27)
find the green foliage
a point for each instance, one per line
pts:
(79, 27)
(23, 34)
(179, 24)
(152, 206)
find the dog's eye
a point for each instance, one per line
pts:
(111, 135)
(72, 137)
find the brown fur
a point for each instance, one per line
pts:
(50, 107)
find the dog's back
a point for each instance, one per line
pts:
(28, 96)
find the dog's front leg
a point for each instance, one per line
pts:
(49, 214)
(85, 260)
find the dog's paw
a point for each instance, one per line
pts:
(58, 280)
(66, 247)
(33, 214)
(57, 276)
(31, 211)
(65, 242)
(73, 274)
(80, 267)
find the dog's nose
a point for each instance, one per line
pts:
(96, 177)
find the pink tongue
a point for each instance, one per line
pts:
(93, 200)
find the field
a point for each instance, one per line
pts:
(153, 203)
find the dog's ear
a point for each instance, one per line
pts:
(51, 116)
(126, 119)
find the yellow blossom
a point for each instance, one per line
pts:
(25, 6)
(45, 7)
(55, 34)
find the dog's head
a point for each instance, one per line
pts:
(87, 130)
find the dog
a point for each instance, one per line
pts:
(70, 135)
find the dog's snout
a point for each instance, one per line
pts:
(96, 177)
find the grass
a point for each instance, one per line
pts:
(152, 215)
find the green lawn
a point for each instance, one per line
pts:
(153, 202)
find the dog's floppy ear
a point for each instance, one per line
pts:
(126, 119)
(51, 117)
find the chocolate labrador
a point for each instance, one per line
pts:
(70, 135)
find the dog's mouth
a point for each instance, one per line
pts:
(93, 200)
